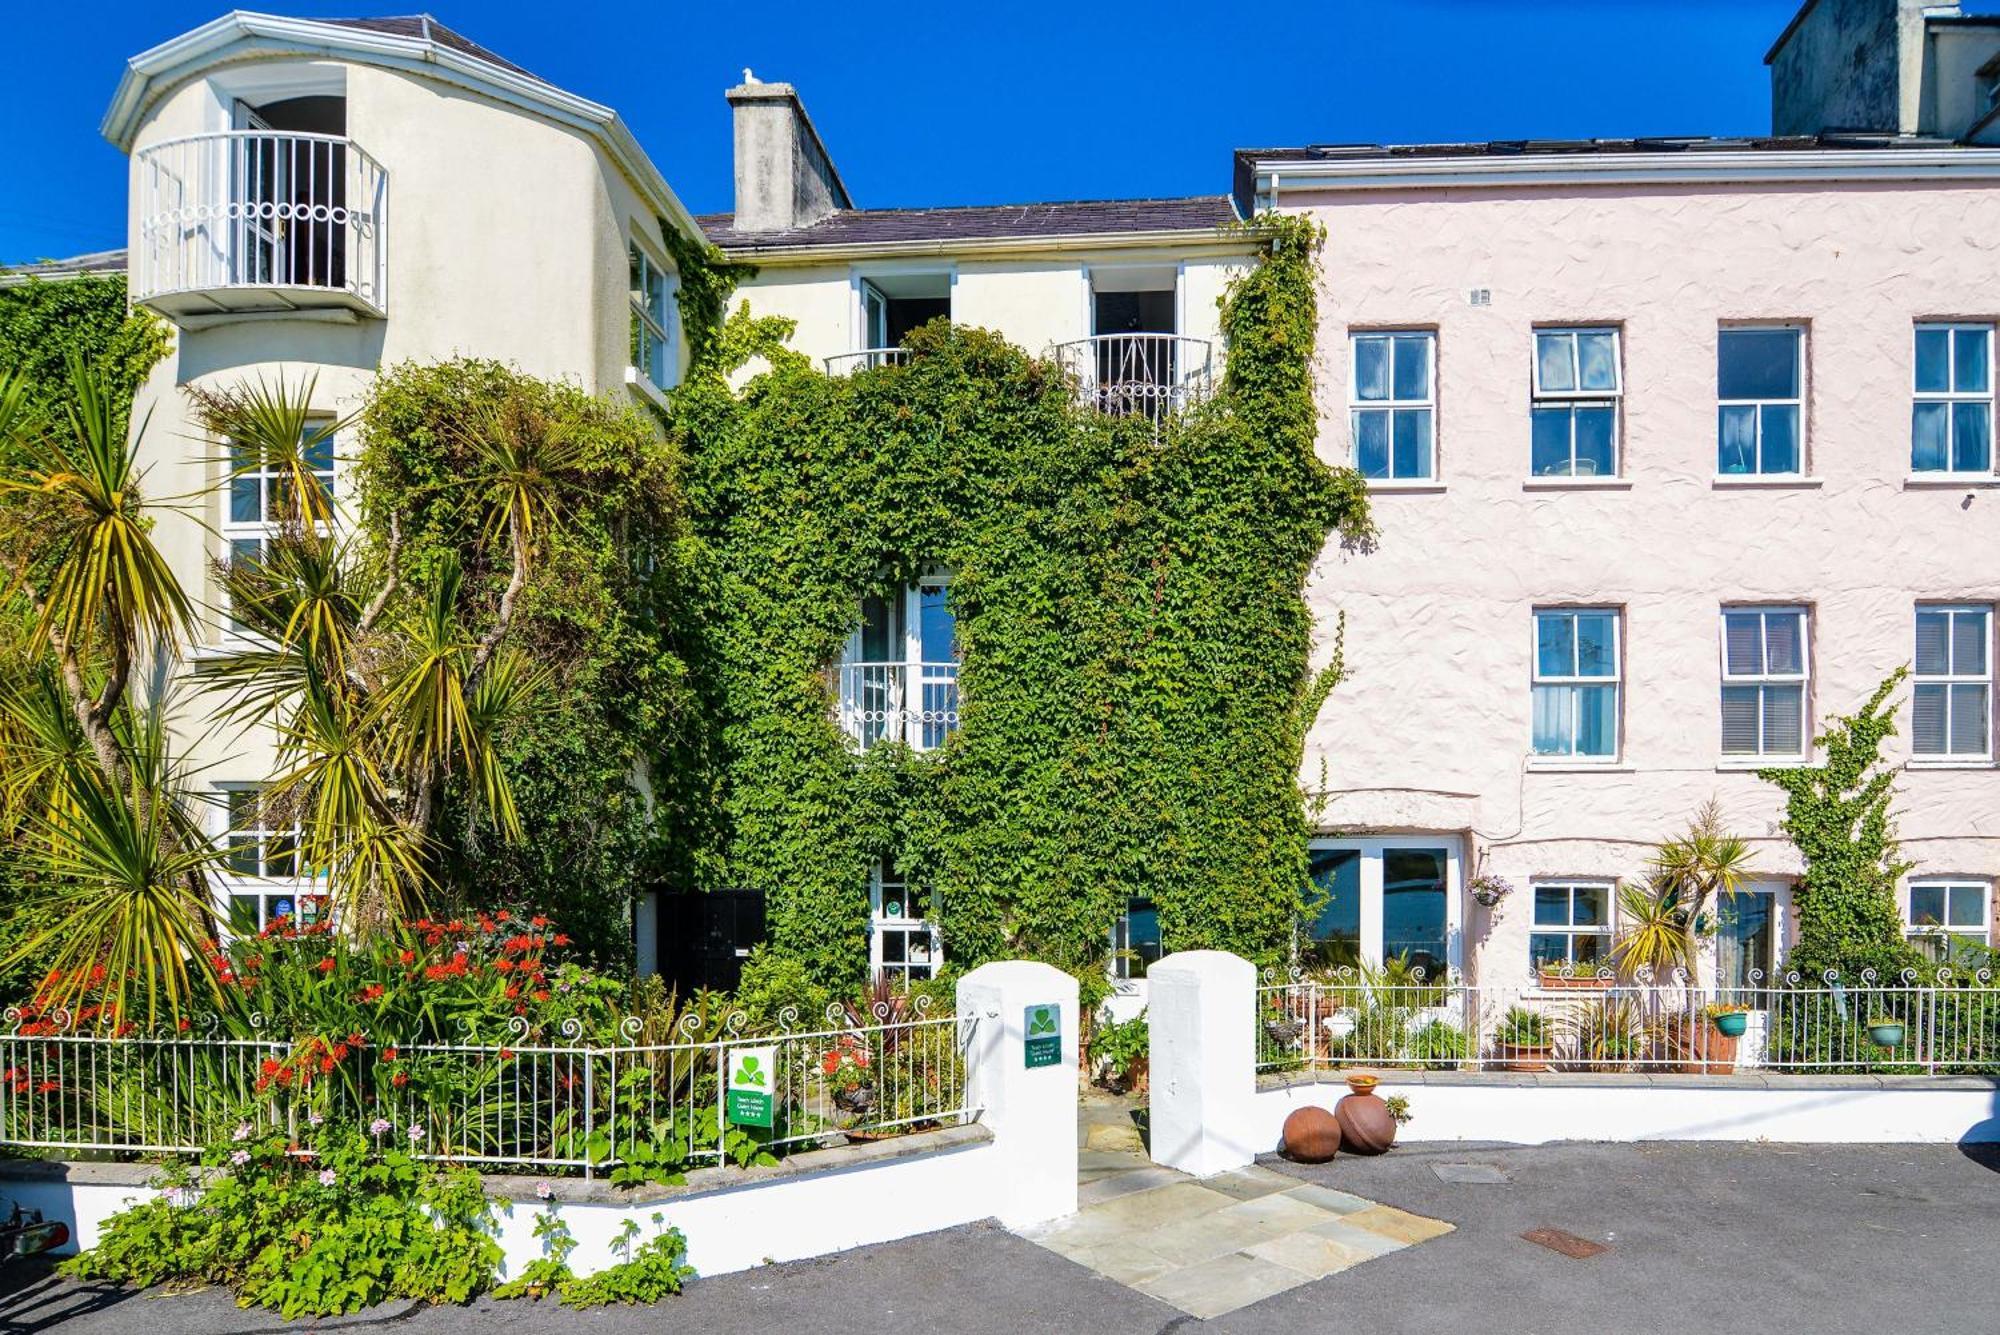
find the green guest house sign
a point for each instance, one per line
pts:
(1044, 1035)
(747, 1100)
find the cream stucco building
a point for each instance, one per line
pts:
(1677, 447)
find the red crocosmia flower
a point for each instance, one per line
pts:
(538, 921)
(561, 939)
(407, 957)
(503, 915)
(542, 995)
(182, 1025)
(513, 991)
(400, 1079)
(327, 965)
(506, 1054)
(502, 966)
(48, 1087)
(357, 1040)
(389, 1054)
(325, 1065)
(263, 1083)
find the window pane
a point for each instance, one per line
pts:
(1933, 361)
(1966, 906)
(1551, 721)
(1781, 439)
(881, 630)
(1968, 720)
(1930, 423)
(1549, 455)
(319, 451)
(1968, 643)
(1555, 360)
(1413, 366)
(1926, 906)
(1933, 642)
(1555, 644)
(1587, 947)
(1971, 437)
(1596, 720)
(1757, 364)
(1736, 436)
(1336, 933)
(1595, 652)
(1371, 442)
(1371, 369)
(935, 626)
(1784, 633)
(1927, 720)
(1552, 905)
(1593, 442)
(1743, 643)
(1784, 720)
(244, 501)
(1412, 444)
(1548, 948)
(1592, 904)
(1597, 358)
(1739, 721)
(1970, 372)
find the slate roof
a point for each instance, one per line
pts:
(426, 28)
(983, 222)
(96, 262)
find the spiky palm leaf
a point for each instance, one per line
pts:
(271, 429)
(423, 708)
(41, 742)
(524, 459)
(103, 584)
(498, 701)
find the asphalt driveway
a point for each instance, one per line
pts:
(1699, 1238)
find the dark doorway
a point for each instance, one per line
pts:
(704, 937)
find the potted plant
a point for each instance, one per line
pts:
(850, 1075)
(1610, 1034)
(1119, 1050)
(1885, 1031)
(1488, 890)
(1522, 1041)
(1696, 1046)
(1565, 975)
(1729, 1019)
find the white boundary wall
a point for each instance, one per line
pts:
(1023, 1173)
(1208, 1115)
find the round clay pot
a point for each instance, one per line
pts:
(1362, 1082)
(1365, 1124)
(1312, 1135)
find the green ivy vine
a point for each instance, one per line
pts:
(1135, 646)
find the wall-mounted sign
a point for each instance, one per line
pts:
(1044, 1031)
(748, 1101)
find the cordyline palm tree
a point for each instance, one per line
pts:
(380, 699)
(87, 778)
(1686, 876)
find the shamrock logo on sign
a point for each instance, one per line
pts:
(750, 1073)
(1044, 1021)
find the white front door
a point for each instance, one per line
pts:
(1386, 899)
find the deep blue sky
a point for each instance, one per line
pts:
(946, 102)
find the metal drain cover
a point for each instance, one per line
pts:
(1569, 1244)
(1470, 1172)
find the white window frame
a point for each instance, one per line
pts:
(1802, 678)
(1983, 892)
(888, 888)
(1390, 406)
(1799, 469)
(1372, 854)
(1950, 396)
(1949, 679)
(233, 884)
(1120, 963)
(662, 327)
(262, 529)
(1569, 930)
(1616, 681)
(1542, 397)
(918, 674)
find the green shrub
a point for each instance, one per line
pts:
(1523, 1028)
(349, 1220)
(1122, 1044)
(651, 1270)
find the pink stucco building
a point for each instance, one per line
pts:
(1677, 448)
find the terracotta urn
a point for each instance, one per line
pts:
(1365, 1124)
(1312, 1135)
(1362, 1082)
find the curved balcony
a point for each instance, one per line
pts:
(1138, 375)
(258, 221)
(846, 363)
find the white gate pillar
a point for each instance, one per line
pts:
(1201, 1012)
(1031, 1110)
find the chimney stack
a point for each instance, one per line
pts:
(784, 175)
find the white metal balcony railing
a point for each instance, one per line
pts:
(257, 220)
(845, 363)
(1138, 375)
(914, 703)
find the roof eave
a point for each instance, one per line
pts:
(1690, 167)
(1205, 238)
(174, 60)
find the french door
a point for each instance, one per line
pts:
(1387, 899)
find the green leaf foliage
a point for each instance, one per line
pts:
(43, 322)
(594, 623)
(1837, 815)
(1136, 650)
